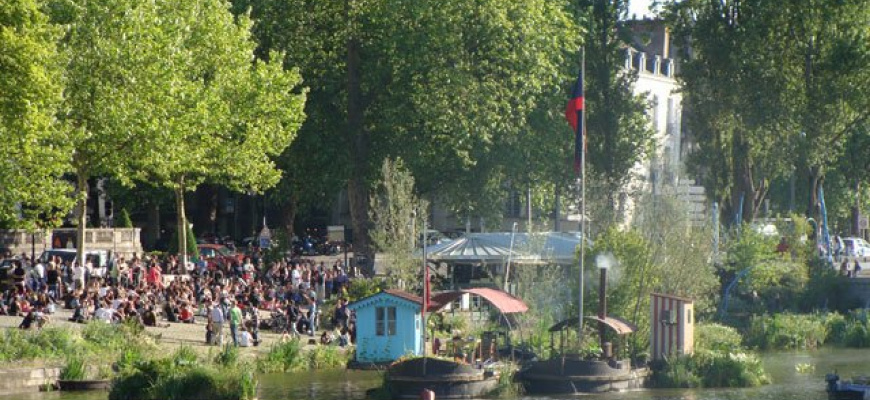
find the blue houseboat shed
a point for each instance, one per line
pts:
(388, 326)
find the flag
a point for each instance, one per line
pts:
(574, 115)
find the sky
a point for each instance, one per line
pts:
(639, 8)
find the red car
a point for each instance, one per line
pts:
(218, 255)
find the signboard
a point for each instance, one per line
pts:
(335, 233)
(863, 222)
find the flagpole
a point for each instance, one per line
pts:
(582, 193)
(425, 294)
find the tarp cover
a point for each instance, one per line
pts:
(621, 326)
(503, 301)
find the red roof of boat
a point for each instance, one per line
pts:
(503, 301)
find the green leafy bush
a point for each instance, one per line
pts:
(711, 369)
(282, 357)
(787, 331)
(716, 337)
(74, 370)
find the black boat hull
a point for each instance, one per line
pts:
(447, 379)
(567, 376)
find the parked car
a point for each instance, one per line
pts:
(856, 248)
(218, 255)
(99, 258)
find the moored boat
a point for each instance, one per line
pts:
(407, 379)
(856, 389)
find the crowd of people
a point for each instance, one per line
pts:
(229, 300)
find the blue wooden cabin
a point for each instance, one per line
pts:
(388, 326)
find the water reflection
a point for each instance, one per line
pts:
(789, 384)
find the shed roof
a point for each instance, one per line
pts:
(412, 298)
(503, 301)
(619, 325)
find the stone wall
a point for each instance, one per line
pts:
(21, 380)
(123, 241)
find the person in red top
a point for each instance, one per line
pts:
(186, 314)
(155, 276)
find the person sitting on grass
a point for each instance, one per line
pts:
(326, 338)
(150, 318)
(35, 317)
(186, 314)
(245, 339)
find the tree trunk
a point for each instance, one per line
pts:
(813, 207)
(182, 224)
(856, 209)
(152, 235)
(82, 184)
(288, 217)
(357, 188)
(207, 207)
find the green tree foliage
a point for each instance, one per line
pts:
(124, 219)
(771, 87)
(33, 155)
(619, 132)
(201, 109)
(397, 215)
(447, 86)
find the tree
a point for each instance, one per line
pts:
(101, 50)
(619, 132)
(396, 214)
(213, 113)
(771, 87)
(33, 153)
(443, 85)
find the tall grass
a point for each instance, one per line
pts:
(788, 331)
(74, 370)
(289, 357)
(182, 376)
(710, 369)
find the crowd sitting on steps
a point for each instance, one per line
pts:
(227, 301)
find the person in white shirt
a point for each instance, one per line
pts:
(78, 273)
(245, 338)
(104, 313)
(217, 321)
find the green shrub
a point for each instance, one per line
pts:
(712, 336)
(74, 370)
(228, 356)
(787, 331)
(282, 357)
(710, 369)
(326, 357)
(180, 378)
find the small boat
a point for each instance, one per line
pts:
(856, 389)
(407, 379)
(567, 373)
(571, 374)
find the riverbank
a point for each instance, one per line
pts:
(169, 338)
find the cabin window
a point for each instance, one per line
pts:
(385, 321)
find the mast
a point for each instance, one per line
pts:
(425, 295)
(582, 193)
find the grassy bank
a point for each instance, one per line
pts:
(719, 360)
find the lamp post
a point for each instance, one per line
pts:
(507, 270)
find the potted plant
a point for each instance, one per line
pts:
(75, 376)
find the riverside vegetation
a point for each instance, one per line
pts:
(138, 374)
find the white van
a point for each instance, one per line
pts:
(100, 258)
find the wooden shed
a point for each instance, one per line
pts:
(388, 326)
(673, 325)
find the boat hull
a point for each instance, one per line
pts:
(447, 379)
(569, 376)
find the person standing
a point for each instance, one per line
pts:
(235, 322)
(217, 321)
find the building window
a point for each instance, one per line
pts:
(385, 321)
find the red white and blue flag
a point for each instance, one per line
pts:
(574, 115)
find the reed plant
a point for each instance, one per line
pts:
(74, 370)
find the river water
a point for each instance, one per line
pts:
(788, 383)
